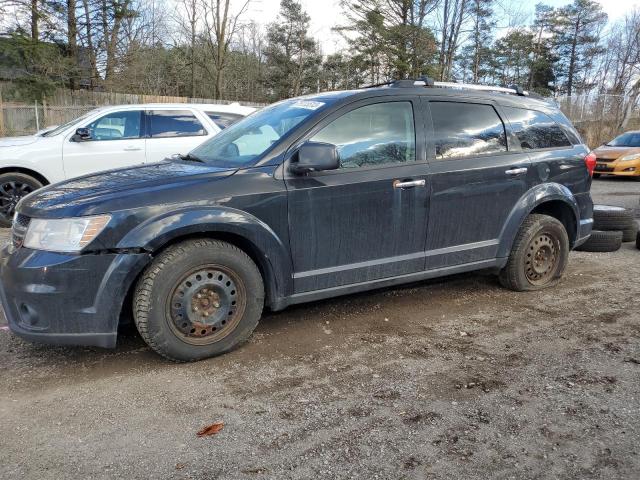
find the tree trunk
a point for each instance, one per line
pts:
(35, 16)
(72, 34)
(93, 62)
(572, 60)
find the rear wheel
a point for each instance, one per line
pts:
(14, 186)
(539, 254)
(198, 299)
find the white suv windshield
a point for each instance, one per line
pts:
(244, 142)
(64, 126)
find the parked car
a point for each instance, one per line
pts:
(309, 198)
(620, 156)
(103, 139)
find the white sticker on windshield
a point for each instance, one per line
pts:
(308, 104)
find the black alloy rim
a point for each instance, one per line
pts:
(10, 195)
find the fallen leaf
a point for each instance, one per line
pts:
(210, 429)
(180, 466)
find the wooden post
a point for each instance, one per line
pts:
(2, 133)
(37, 119)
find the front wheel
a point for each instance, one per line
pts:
(14, 186)
(539, 254)
(198, 299)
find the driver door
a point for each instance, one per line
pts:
(116, 141)
(359, 223)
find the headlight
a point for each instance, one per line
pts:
(65, 234)
(633, 156)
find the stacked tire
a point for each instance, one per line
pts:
(612, 226)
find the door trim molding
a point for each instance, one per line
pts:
(397, 258)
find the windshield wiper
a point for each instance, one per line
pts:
(191, 157)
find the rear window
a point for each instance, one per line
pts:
(224, 120)
(535, 129)
(174, 123)
(466, 129)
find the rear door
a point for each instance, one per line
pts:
(475, 181)
(366, 220)
(116, 141)
(173, 131)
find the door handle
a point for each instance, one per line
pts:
(517, 171)
(409, 183)
(132, 149)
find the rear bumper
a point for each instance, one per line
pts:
(66, 299)
(584, 232)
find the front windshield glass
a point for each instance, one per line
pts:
(64, 126)
(243, 143)
(629, 139)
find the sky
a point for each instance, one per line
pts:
(326, 14)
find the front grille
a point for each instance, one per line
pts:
(606, 160)
(19, 229)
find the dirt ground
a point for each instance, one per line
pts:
(449, 379)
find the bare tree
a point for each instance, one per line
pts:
(221, 25)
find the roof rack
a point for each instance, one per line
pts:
(429, 82)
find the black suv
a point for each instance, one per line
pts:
(309, 198)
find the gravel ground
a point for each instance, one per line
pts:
(456, 378)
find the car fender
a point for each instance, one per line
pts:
(267, 248)
(528, 202)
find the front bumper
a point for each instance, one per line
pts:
(624, 169)
(66, 299)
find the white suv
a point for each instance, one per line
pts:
(103, 139)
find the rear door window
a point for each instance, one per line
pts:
(466, 130)
(224, 120)
(174, 123)
(535, 129)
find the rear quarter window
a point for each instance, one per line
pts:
(536, 130)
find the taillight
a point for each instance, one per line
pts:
(590, 162)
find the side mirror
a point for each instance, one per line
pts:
(81, 135)
(315, 157)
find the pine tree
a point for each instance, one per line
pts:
(292, 56)
(576, 28)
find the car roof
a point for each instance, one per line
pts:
(207, 107)
(444, 92)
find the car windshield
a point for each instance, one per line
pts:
(64, 126)
(629, 139)
(243, 143)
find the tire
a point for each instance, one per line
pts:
(600, 241)
(629, 234)
(539, 255)
(199, 298)
(638, 240)
(610, 218)
(596, 175)
(14, 186)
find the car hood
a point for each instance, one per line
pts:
(614, 152)
(113, 189)
(18, 141)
